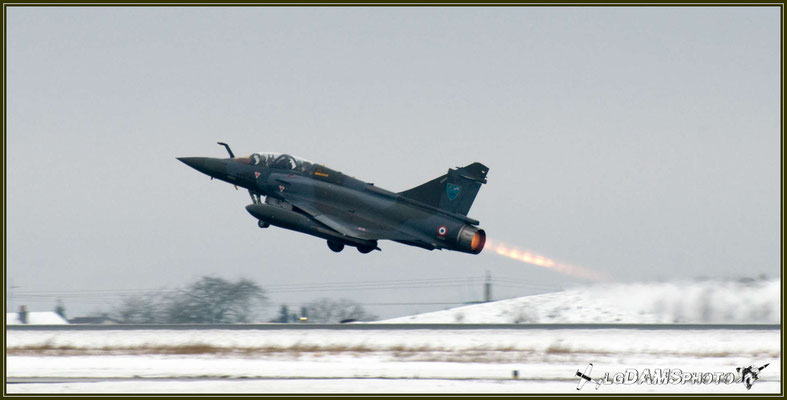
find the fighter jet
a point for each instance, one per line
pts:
(296, 194)
(750, 374)
(584, 377)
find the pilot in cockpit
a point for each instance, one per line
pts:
(255, 159)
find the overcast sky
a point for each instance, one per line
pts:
(640, 142)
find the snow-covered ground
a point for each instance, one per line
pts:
(707, 301)
(391, 361)
(431, 360)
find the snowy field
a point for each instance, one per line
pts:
(378, 361)
(702, 302)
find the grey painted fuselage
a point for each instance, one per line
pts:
(313, 199)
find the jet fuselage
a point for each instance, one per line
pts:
(313, 199)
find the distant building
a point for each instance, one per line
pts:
(101, 320)
(24, 317)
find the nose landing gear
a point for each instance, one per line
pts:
(255, 197)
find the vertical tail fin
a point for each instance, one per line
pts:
(454, 191)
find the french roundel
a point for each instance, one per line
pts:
(441, 231)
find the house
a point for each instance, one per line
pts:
(24, 317)
(101, 320)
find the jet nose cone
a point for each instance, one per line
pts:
(193, 162)
(214, 167)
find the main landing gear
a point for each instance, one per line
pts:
(335, 246)
(338, 246)
(365, 249)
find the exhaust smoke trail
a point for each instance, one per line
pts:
(535, 259)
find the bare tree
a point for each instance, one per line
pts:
(328, 311)
(141, 309)
(208, 300)
(214, 300)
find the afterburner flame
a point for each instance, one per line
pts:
(541, 261)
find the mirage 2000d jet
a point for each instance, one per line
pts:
(316, 200)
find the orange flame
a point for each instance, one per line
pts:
(541, 261)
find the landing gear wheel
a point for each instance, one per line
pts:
(335, 246)
(365, 249)
(263, 224)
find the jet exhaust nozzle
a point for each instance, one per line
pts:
(471, 240)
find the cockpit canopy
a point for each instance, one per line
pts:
(276, 160)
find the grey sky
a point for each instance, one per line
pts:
(641, 142)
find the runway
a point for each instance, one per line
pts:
(378, 358)
(386, 326)
(363, 386)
